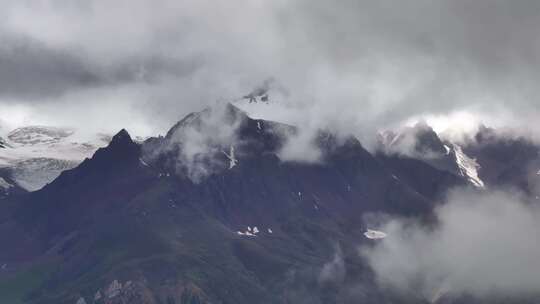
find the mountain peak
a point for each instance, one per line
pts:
(120, 147)
(485, 133)
(417, 140)
(121, 137)
(427, 139)
(422, 125)
(224, 113)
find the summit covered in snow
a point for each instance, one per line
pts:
(33, 156)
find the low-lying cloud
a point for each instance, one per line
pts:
(484, 244)
(301, 147)
(201, 142)
(333, 272)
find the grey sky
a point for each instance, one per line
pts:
(352, 65)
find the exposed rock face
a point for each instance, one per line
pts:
(505, 160)
(419, 141)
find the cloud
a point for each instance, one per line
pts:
(30, 69)
(300, 147)
(202, 142)
(355, 66)
(483, 245)
(333, 272)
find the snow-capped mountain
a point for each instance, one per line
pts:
(209, 213)
(33, 156)
(203, 189)
(423, 143)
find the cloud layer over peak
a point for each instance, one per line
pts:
(354, 66)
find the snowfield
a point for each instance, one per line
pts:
(468, 167)
(35, 155)
(374, 234)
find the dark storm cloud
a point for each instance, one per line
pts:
(28, 68)
(460, 52)
(32, 70)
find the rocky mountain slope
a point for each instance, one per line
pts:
(420, 142)
(210, 214)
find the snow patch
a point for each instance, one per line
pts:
(245, 233)
(447, 148)
(143, 162)
(250, 231)
(232, 159)
(374, 234)
(468, 167)
(4, 184)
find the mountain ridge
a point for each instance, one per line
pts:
(130, 225)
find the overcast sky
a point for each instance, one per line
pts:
(354, 65)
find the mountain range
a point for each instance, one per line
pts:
(209, 213)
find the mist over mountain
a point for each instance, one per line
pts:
(212, 212)
(283, 152)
